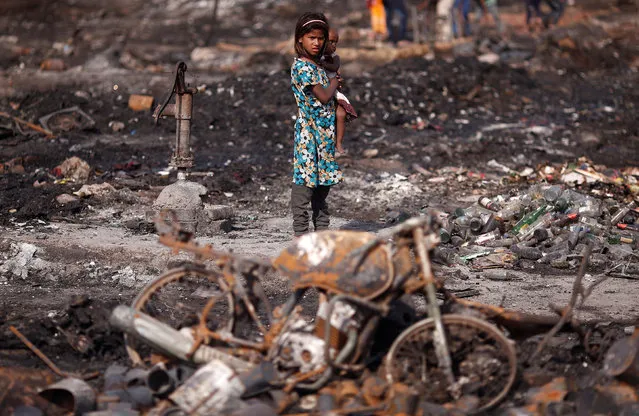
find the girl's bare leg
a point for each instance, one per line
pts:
(341, 127)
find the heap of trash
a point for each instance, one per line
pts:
(549, 223)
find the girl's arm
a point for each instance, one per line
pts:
(324, 95)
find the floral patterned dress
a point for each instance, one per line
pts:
(314, 155)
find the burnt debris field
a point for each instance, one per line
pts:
(521, 150)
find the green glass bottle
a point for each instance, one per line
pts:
(529, 219)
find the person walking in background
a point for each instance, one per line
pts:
(490, 7)
(444, 16)
(378, 19)
(396, 8)
(533, 9)
(461, 18)
(557, 8)
(314, 167)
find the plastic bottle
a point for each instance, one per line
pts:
(542, 234)
(589, 208)
(509, 211)
(552, 193)
(593, 225)
(620, 239)
(530, 253)
(622, 212)
(493, 235)
(629, 227)
(488, 203)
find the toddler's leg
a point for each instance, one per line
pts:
(340, 124)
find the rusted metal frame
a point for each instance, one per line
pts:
(282, 317)
(370, 328)
(341, 356)
(439, 337)
(302, 377)
(203, 333)
(240, 292)
(379, 309)
(46, 359)
(253, 279)
(207, 251)
(577, 289)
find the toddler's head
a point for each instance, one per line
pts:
(333, 39)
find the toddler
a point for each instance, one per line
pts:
(345, 111)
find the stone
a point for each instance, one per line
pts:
(184, 198)
(64, 199)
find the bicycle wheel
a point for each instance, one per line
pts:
(177, 299)
(484, 361)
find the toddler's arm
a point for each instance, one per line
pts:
(331, 63)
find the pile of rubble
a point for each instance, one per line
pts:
(217, 346)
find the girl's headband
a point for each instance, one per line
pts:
(314, 21)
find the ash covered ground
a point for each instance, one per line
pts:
(436, 129)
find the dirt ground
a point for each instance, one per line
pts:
(433, 122)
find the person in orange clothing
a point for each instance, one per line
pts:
(378, 18)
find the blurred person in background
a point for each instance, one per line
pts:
(461, 18)
(486, 7)
(396, 8)
(378, 19)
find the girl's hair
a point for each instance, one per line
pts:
(306, 23)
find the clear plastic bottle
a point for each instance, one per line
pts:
(552, 193)
(593, 225)
(590, 208)
(483, 238)
(510, 210)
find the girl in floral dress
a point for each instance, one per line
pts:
(314, 167)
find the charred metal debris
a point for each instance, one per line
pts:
(204, 339)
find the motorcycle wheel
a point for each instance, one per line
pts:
(484, 361)
(177, 299)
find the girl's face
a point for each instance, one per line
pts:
(313, 41)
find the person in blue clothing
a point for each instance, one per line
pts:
(315, 169)
(392, 7)
(461, 18)
(533, 13)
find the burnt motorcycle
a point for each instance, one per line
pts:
(358, 322)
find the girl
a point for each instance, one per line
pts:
(314, 167)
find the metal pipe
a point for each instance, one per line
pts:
(160, 381)
(168, 340)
